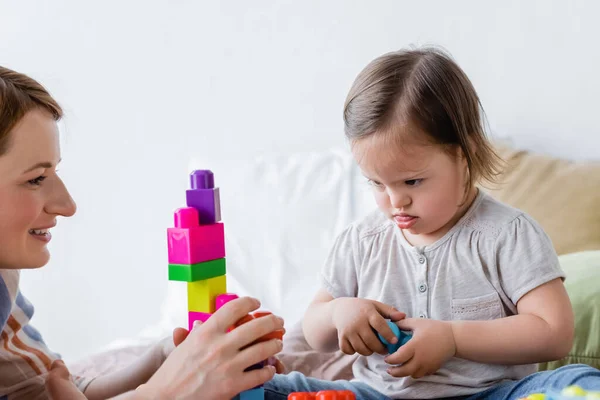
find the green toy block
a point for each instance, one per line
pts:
(197, 272)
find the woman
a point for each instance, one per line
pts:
(209, 361)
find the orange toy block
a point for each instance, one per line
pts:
(323, 395)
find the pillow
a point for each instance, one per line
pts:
(583, 278)
(563, 196)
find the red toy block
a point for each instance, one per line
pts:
(323, 395)
(196, 316)
(191, 243)
(273, 335)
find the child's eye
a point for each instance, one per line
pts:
(37, 181)
(413, 182)
(374, 183)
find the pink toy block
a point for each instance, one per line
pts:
(223, 299)
(196, 316)
(195, 243)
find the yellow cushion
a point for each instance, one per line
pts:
(563, 196)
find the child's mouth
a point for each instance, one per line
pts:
(405, 221)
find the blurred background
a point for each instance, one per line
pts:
(150, 88)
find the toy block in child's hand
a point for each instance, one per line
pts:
(197, 272)
(204, 197)
(402, 337)
(202, 294)
(323, 395)
(192, 243)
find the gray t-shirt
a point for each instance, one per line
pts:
(479, 270)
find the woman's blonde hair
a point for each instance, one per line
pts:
(424, 89)
(20, 94)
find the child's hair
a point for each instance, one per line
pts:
(20, 94)
(425, 90)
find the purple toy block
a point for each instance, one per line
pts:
(202, 179)
(196, 316)
(204, 197)
(195, 243)
(207, 202)
(223, 299)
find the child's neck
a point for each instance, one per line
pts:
(426, 239)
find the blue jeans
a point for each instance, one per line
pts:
(585, 376)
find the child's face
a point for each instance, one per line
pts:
(31, 194)
(420, 187)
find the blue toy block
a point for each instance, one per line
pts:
(403, 337)
(252, 394)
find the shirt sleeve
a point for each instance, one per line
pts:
(525, 257)
(339, 275)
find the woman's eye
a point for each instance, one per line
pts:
(37, 181)
(413, 182)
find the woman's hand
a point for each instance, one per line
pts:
(210, 362)
(59, 384)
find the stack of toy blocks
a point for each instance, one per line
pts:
(197, 257)
(197, 247)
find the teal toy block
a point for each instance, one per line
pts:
(252, 394)
(403, 337)
(197, 272)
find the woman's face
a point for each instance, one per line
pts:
(31, 193)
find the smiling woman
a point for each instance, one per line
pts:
(30, 190)
(32, 196)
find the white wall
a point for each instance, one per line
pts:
(147, 85)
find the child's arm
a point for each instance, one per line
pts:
(542, 331)
(319, 331)
(132, 376)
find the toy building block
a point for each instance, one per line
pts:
(202, 294)
(223, 299)
(197, 272)
(278, 334)
(403, 337)
(191, 243)
(204, 197)
(252, 394)
(194, 316)
(568, 393)
(323, 395)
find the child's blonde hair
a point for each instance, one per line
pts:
(423, 89)
(20, 94)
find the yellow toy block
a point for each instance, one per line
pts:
(202, 294)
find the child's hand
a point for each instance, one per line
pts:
(59, 384)
(430, 347)
(357, 322)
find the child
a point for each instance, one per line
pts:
(209, 363)
(479, 281)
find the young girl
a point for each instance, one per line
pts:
(479, 281)
(209, 364)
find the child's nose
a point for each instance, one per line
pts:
(399, 200)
